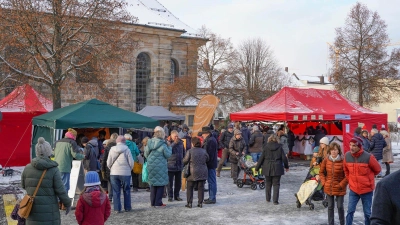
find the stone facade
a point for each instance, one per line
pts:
(161, 45)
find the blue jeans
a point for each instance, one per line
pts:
(118, 182)
(255, 156)
(65, 179)
(366, 200)
(212, 184)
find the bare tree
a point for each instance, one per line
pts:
(362, 67)
(214, 72)
(52, 41)
(258, 70)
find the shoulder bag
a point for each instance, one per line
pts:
(186, 172)
(27, 202)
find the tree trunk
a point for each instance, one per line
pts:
(56, 93)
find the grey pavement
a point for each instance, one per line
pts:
(234, 205)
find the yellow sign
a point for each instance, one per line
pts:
(9, 204)
(204, 113)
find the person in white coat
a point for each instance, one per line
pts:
(120, 163)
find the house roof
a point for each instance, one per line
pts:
(154, 14)
(159, 113)
(25, 99)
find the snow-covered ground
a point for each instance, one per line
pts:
(234, 205)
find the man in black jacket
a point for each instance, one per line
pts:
(386, 204)
(211, 147)
(224, 143)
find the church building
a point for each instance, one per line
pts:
(168, 48)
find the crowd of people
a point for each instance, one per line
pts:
(172, 150)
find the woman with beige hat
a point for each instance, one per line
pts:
(387, 153)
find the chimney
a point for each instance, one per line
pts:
(286, 69)
(321, 79)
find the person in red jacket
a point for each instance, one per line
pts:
(360, 169)
(93, 206)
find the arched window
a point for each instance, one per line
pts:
(142, 80)
(174, 70)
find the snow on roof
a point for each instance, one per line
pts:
(310, 78)
(25, 99)
(294, 82)
(154, 14)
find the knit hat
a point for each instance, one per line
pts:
(237, 132)
(92, 179)
(84, 140)
(316, 149)
(357, 140)
(71, 133)
(43, 148)
(324, 140)
(121, 139)
(230, 126)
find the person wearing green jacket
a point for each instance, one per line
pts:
(64, 152)
(45, 208)
(134, 152)
(157, 151)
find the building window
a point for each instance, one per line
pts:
(142, 80)
(190, 120)
(174, 70)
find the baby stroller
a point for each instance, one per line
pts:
(311, 190)
(250, 175)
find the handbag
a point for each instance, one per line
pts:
(186, 170)
(145, 173)
(137, 168)
(27, 202)
(186, 173)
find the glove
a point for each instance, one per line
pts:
(67, 210)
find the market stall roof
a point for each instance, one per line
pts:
(160, 113)
(295, 104)
(93, 114)
(25, 99)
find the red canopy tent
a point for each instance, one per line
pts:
(296, 105)
(18, 109)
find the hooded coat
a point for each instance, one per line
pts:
(272, 160)
(332, 176)
(377, 145)
(104, 167)
(387, 155)
(236, 146)
(175, 163)
(64, 152)
(91, 156)
(92, 208)
(45, 209)
(120, 160)
(133, 149)
(198, 159)
(157, 153)
(256, 142)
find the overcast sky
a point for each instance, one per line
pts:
(297, 30)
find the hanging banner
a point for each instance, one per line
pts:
(204, 112)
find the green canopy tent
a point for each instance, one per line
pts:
(88, 114)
